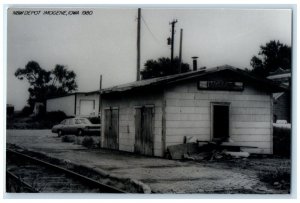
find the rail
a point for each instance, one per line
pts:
(103, 187)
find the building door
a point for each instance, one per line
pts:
(220, 122)
(111, 128)
(144, 123)
(87, 107)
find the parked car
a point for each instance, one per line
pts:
(77, 126)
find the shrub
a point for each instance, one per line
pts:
(282, 141)
(95, 120)
(78, 140)
(280, 175)
(68, 138)
(88, 142)
(55, 116)
(10, 110)
(26, 111)
(49, 119)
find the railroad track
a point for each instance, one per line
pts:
(28, 174)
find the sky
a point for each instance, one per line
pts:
(105, 42)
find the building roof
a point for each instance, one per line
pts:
(280, 71)
(280, 74)
(189, 75)
(277, 95)
(66, 95)
(286, 76)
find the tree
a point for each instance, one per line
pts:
(162, 67)
(272, 56)
(63, 80)
(43, 83)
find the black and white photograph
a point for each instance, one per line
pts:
(149, 100)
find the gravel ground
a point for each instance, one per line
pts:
(161, 175)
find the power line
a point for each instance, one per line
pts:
(154, 37)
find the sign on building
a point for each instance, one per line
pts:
(220, 85)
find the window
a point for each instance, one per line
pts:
(70, 122)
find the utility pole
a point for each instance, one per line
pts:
(138, 45)
(100, 99)
(180, 51)
(172, 40)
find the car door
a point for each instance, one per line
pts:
(72, 127)
(62, 125)
(78, 124)
(69, 127)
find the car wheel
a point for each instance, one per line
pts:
(80, 132)
(59, 133)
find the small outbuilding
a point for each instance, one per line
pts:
(75, 104)
(217, 104)
(282, 100)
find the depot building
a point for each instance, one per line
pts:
(85, 104)
(217, 104)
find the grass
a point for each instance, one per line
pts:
(46, 121)
(279, 177)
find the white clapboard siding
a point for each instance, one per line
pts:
(250, 138)
(251, 104)
(183, 109)
(157, 130)
(127, 148)
(126, 108)
(191, 124)
(126, 140)
(179, 139)
(188, 113)
(188, 131)
(250, 111)
(185, 117)
(258, 144)
(250, 131)
(251, 118)
(252, 125)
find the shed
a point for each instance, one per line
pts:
(219, 103)
(282, 106)
(75, 104)
(282, 100)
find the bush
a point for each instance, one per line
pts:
(88, 142)
(10, 110)
(95, 120)
(55, 116)
(78, 140)
(279, 177)
(26, 111)
(282, 141)
(68, 138)
(49, 119)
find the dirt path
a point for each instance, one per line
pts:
(162, 176)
